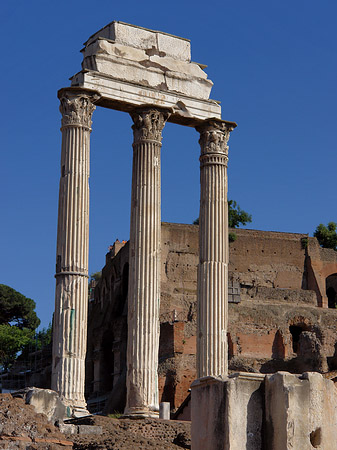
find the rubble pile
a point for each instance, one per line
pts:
(131, 434)
(22, 427)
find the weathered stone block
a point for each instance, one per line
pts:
(245, 411)
(287, 405)
(67, 428)
(208, 410)
(131, 66)
(89, 429)
(146, 68)
(301, 412)
(46, 401)
(145, 39)
(227, 414)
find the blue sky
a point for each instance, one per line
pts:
(274, 67)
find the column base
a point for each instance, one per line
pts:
(75, 411)
(140, 413)
(80, 412)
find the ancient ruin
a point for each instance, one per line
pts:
(150, 75)
(275, 318)
(159, 313)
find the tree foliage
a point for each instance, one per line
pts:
(236, 216)
(327, 235)
(12, 341)
(44, 337)
(18, 320)
(38, 340)
(16, 309)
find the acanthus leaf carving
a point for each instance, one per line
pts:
(214, 136)
(148, 124)
(77, 108)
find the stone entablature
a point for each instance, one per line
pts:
(132, 66)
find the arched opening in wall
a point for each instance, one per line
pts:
(296, 328)
(331, 290)
(297, 325)
(331, 294)
(295, 334)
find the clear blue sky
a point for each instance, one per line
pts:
(274, 67)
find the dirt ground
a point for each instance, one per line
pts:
(130, 434)
(22, 428)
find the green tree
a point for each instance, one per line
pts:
(18, 320)
(16, 309)
(12, 341)
(38, 340)
(327, 235)
(44, 337)
(236, 216)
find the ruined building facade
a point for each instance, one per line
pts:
(282, 312)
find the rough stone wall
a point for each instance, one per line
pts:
(107, 335)
(267, 336)
(179, 260)
(264, 258)
(275, 324)
(321, 263)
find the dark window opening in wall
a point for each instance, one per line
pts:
(331, 294)
(295, 333)
(331, 290)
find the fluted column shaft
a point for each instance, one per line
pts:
(213, 250)
(71, 296)
(144, 268)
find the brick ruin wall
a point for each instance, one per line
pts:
(274, 322)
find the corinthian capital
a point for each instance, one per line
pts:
(214, 135)
(148, 124)
(77, 107)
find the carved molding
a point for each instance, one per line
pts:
(77, 108)
(209, 159)
(214, 136)
(148, 124)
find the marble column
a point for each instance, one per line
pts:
(71, 296)
(213, 250)
(144, 270)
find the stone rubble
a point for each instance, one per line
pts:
(21, 427)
